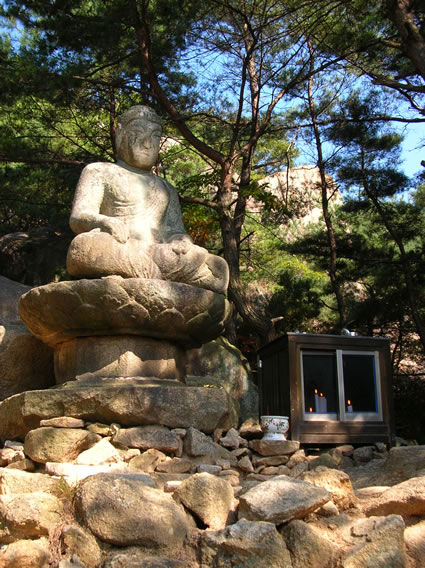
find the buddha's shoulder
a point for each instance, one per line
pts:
(102, 167)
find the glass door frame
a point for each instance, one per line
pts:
(314, 416)
(342, 415)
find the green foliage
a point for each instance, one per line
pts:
(371, 268)
(192, 178)
(65, 492)
(380, 39)
(288, 287)
(45, 197)
(298, 297)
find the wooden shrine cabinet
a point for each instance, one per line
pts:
(334, 389)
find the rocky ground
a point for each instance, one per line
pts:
(77, 494)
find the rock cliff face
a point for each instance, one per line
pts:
(299, 189)
(99, 495)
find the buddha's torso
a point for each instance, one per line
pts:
(140, 200)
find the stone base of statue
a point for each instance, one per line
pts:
(118, 356)
(122, 327)
(119, 347)
(128, 402)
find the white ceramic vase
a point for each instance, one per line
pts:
(274, 427)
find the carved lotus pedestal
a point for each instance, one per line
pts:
(122, 327)
(119, 349)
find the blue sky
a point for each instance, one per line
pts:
(414, 149)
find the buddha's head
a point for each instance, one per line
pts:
(138, 136)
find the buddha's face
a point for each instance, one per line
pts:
(139, 145)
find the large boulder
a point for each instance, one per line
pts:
(25, 362)
(281, 499)
(57, 444)
(10, 293)
(121, 510)
(210, 498)
(301, 186)
(243, 544)
(308, 547)
(406, 499)
(221, 364)
(414, 538)
(28, 515)
(26, 554)
(16, 481)
(378, 542)
(337, 482)
(402, 463)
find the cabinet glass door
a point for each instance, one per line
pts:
(319, 371)
(341, 385)
(361, 386)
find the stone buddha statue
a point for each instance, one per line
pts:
(128, 220)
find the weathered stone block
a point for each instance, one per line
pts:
(16, 481)
(175, 465)
(147, 461)
(80, 544)
(196, 443)
(147, 437)
(100, 453)
(127, 402)
(121, 510)
(57, 444)
(378, 543)
(274, 447)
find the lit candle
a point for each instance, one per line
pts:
(349, 406)
(311, 410)
(316, 401)
(323, 404)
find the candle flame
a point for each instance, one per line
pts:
(321, 394)
(311, 410)
(315, 391)
(348, 402)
